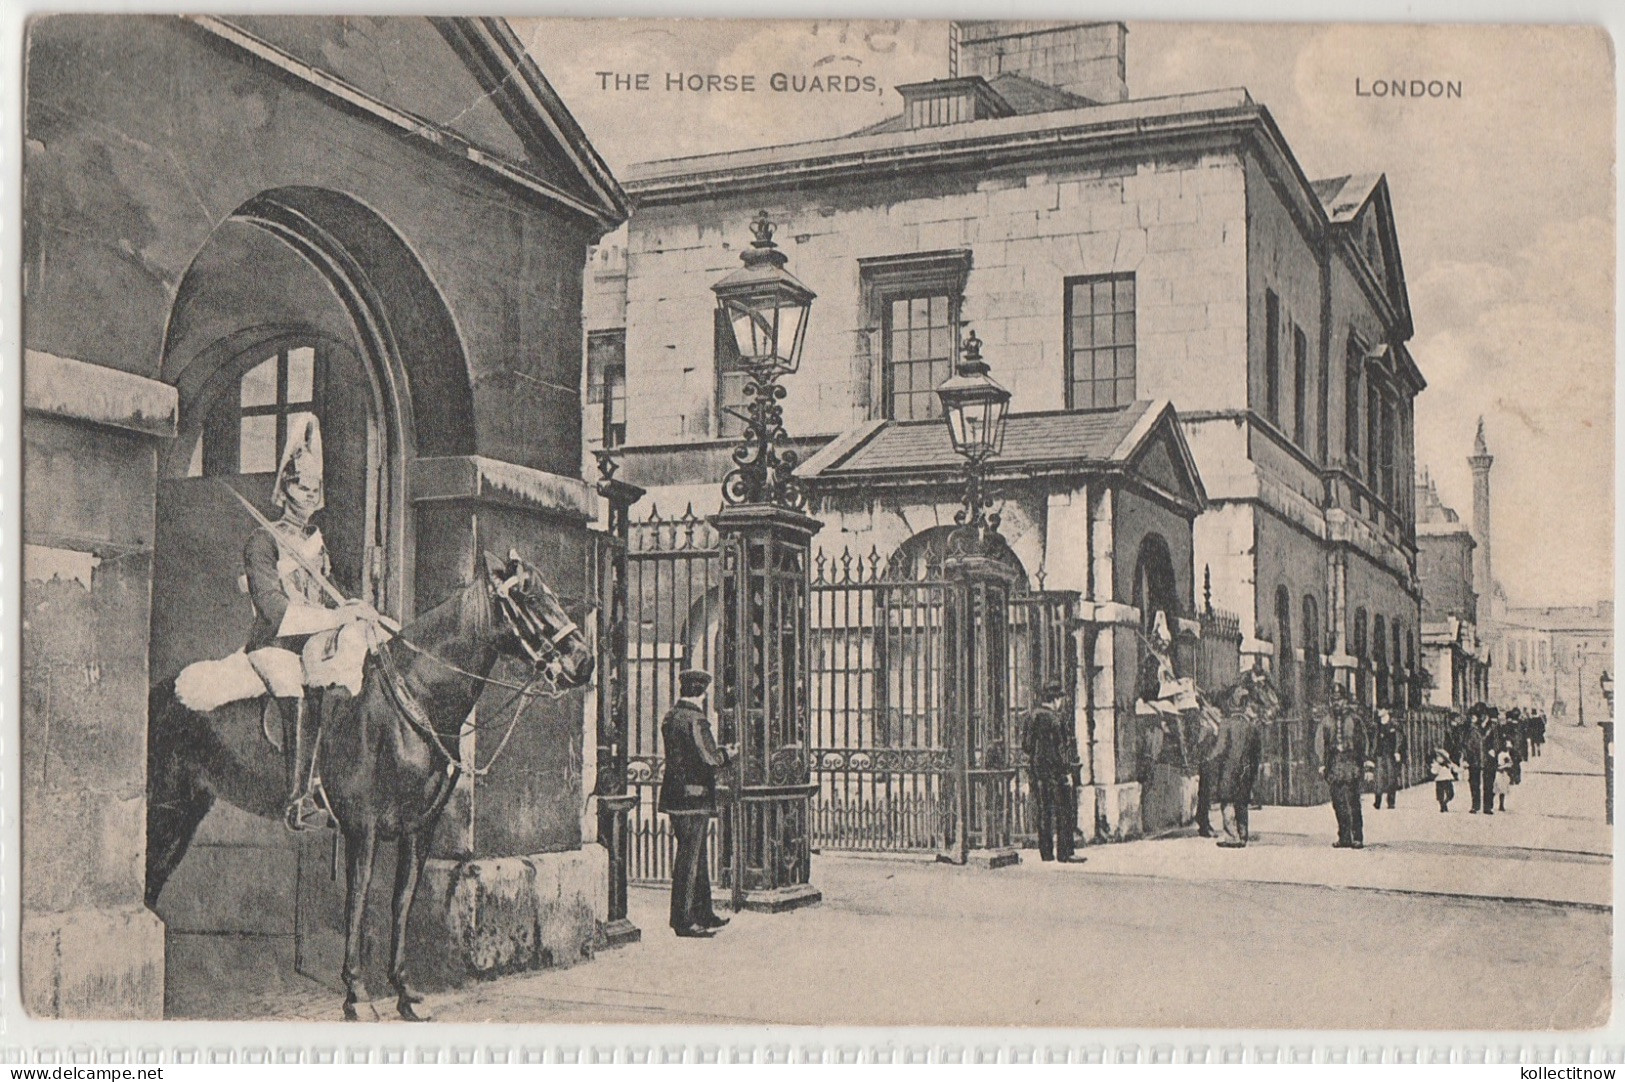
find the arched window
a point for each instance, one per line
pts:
(1362, 675)
(1399, 696)
(277, 384)
(1379, 655)
(1416, 676)
(1313, 690)
(1286, 667)
(1155, 587)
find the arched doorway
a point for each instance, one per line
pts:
(302, 301)
(1159, 747)
(1156, 589)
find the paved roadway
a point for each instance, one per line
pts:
(1442, 922)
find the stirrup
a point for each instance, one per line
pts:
(309, 810)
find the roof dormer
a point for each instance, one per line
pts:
(951, 101)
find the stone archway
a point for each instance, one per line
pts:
(302, 300)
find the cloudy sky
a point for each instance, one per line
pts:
(1504, 200)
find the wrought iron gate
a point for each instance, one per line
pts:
(879, 754)
(674, 575)
(878, 691)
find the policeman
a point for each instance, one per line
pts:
(1342, 750)
(688, 795)
(1050, 767)
(302, 636)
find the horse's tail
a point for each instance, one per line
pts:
(176, 801)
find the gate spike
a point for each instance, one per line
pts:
(874, 564)
(846, 564)
(818, 566)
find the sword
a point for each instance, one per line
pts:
(294, 554)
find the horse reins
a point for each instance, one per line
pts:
(523, 694)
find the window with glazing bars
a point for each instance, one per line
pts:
(1354, 358)
(606, 381)
(1300, 388)
(1272, 357)
(247, 433)
(921, 337)
(1100, 341)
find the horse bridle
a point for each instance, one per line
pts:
(543, 648)
(547, 660)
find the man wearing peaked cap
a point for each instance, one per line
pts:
(688, 795)
(1050, 766)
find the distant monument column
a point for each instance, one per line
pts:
(1481, 460)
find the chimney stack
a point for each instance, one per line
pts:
(1087, 59)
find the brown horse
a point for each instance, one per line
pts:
(385, 757)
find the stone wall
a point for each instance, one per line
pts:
(1177, 223)
(144, 136)
(90, 948)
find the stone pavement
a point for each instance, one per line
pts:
(1443, 922)
(1551, 845)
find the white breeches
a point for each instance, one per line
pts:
(330, 659)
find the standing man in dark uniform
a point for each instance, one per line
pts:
(1341, 749)
(1237, 755)
(1478, 750)
(1050, 768)
(1209, 720)
(688, 795)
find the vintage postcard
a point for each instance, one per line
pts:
(997, 523)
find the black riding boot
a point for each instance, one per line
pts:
(298, 746)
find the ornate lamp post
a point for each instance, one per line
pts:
(766, 539)
(980, 735)
(1608, 741)
(614, 801)
(766, 309)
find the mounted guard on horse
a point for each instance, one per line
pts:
(382, 753)
(308, 644)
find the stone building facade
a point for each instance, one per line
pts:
(1454, 652)
(1552, 658)
(227, 223)
(1106, 250)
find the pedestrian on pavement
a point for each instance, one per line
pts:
(1340, 749)
(1209, 718)
(1479, 756)
(1239, 751)
(1503, 776)
(688, 795)
(1051, 768)
(1539, 734)
(1389, 756)
(1444, 778)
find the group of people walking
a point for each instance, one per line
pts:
(1491, 750)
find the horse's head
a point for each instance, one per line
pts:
(534, 624)
(1255, 691)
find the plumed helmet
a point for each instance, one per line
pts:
(301, 459)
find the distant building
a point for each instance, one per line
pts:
(1550, 658)
(1553, 659)
(1453, 653)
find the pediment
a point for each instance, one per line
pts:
(1163, 461)
(1372, 232)
(471, 77)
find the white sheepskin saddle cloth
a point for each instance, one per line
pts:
(208, 685)
(334, 658)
